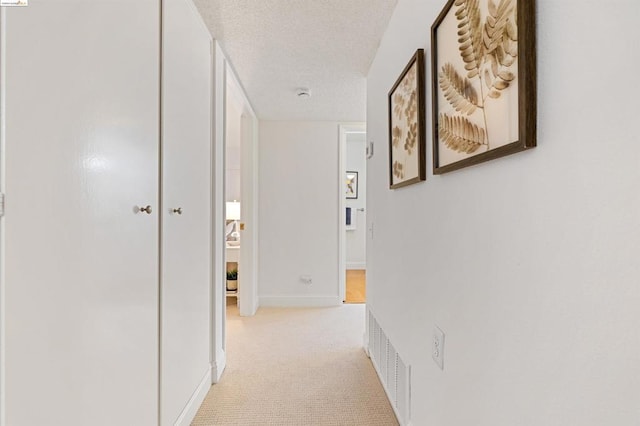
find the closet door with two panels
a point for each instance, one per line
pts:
(106, 285)
(81, 137)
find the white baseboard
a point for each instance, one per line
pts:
(356, 265)
(191, 409)
(218, 367)
(299, 301)
(365, 344)
(250, 310)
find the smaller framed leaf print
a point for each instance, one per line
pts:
(407, 135)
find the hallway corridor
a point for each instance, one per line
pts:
(297, 367)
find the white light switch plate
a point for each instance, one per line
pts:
(437, 351)
(369, 150)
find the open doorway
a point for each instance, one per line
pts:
(240, 199)
(233, 192)
(353, 206)
(239, 129)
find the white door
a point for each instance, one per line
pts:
(81, 117)
(186, 233)
(248, 298)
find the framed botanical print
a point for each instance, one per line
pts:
(407, 134)
(351, 185)
(483, 81)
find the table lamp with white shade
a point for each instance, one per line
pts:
(233, 213)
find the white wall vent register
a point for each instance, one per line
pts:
(394, 373)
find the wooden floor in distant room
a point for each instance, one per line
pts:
(356, 286)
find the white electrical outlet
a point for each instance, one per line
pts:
(437, 352)
(306, 279)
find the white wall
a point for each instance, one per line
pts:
(356, 239)
(299, 193)
(528, 263)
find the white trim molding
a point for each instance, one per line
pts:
(2, 230)
(191, 409)
(218, 296)
(299, 301)
(217, 368)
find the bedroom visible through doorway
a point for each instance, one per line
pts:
(354, 165)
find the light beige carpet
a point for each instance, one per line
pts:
(297, 367)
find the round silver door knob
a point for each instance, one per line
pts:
(178, 210)
(146, 210)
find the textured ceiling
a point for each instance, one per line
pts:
(277, 46)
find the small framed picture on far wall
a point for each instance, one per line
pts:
(351, 185)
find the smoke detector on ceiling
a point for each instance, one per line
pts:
(303, 92)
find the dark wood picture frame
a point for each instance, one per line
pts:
(353, 194)
(407, 125)
(456, 133)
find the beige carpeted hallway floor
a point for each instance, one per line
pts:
(299, 367)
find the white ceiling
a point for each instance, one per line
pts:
(277, 46)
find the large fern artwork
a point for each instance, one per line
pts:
(488, 51)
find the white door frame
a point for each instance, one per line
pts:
(2, 230)
(218, 296)
(222, 74)
(344, 128)
(247, 277)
